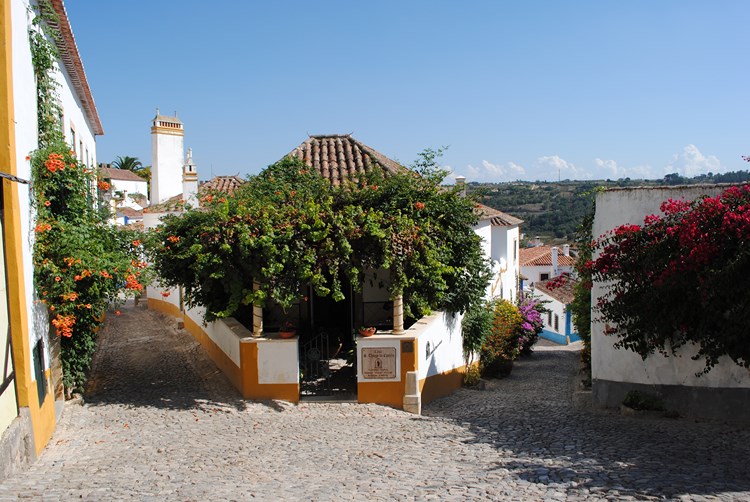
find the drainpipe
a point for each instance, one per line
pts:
(257, 315)
(398, 315)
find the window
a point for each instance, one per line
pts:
(515, 250)
(549, 318)
(73, 139)
(80, 149)
(543, 277)
(557, 322)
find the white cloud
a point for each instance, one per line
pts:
(553, 167)
(489, 172)
(611, 169)
(691, 162)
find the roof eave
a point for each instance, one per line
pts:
(71, 59)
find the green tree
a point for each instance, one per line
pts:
(287, 228)
(127, 163)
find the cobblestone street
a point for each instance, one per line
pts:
(160, 422)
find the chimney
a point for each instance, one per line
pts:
(461, 183)
(537, 241)
(554, 262)
(566, 249)
(190, 181)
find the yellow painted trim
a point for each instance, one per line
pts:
(390, 393)
(441, 385)
(164, 307)
(231, 370)
(42, 416)
(167, 130)
(251, 389)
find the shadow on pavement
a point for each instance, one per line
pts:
(529, 417)
(142, 360)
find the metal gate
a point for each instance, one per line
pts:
(315, 365)
(325, 370)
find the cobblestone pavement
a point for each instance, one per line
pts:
(161, 423)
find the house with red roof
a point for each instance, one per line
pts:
(557, 294)
(540, 263)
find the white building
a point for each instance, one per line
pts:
(127, 189)
(500, 233)
(29, 383)
(540, 263)
(557, 293)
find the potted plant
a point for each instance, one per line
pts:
(367, 330)
(287, 330)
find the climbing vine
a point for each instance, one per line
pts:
(81, 264)
(288, 228)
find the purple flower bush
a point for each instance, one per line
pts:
(531, 310)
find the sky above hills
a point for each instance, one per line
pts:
(532, 90)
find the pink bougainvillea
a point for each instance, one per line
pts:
(679, 278)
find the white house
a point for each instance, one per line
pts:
(723, 393)
(30, 381)
(557, 293)
(398, 366)
(127, 189)
(500, 233)
(540, 263)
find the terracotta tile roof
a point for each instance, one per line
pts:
(560, 288)
(130, 213)
(341, 158)
(66, 46)
(541, 256)
(497, 218)
(226, 184)
(111, 173)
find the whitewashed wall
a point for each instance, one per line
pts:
(129, 188)
(440, 344)
(24, 96)
(611, 366)
(556, 308)
(508, 238)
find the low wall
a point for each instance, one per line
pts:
(432, 347)
(268, 367)
(723, 393)
(260, 368)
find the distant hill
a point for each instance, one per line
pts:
(553, 210)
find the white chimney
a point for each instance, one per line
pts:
(190, 181)
(554, 262)
(461, 183)
(566, 249)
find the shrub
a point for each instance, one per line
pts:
(475, 327)
(503, 341)
(531, 310)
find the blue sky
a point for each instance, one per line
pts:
(517, 89)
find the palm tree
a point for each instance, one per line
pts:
(128, 163)
(134, 165)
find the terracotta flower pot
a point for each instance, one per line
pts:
(366, 331)
(287, 333)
